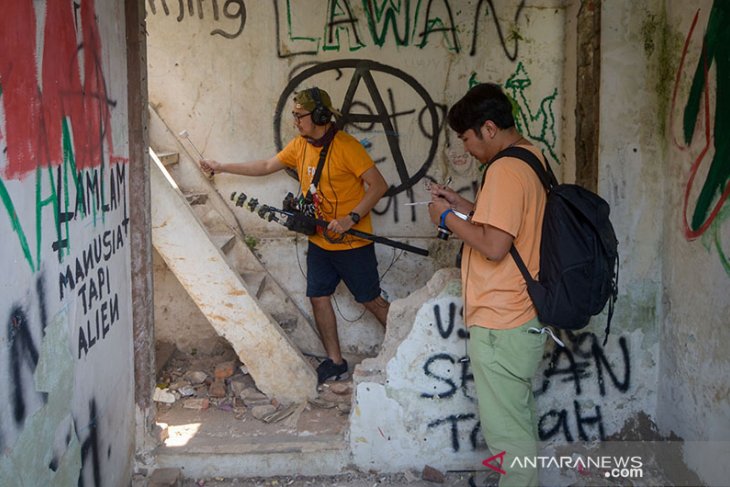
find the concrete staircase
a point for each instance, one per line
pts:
(197, 258)
(201, 241)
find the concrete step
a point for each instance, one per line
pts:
(168, 158)
(189, 250)
(255, 281)
(223, 241)
(196, 198)
(260, 457)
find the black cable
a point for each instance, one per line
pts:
(325, 233)
(296, 249)
(380, 280)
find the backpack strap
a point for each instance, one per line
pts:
(546, 175)
(548, 180)
(521, 265)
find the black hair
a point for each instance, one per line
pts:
(485, 101)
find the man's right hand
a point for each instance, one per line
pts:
(210, 166)
(440, 191)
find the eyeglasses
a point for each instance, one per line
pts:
(299, 116)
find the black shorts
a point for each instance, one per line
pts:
(358, 268)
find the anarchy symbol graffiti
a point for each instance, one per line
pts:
(366, 72)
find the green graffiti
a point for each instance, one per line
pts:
(378, 14)
(15, 223)
(341, 20)
(473, 81)
(715, 50)
(292, 37)
(437, 25)
(40, 203)
(538, 125)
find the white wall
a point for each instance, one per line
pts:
(66, 364)
(695, 330)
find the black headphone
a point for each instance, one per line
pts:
(321, 115)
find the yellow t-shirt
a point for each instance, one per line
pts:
(513, 200)
(340, 187)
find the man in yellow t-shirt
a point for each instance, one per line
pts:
(349, 187)
(505, 339)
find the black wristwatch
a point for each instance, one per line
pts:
(355, 217)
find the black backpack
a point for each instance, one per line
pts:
(578, 253)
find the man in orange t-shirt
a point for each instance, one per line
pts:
(349, 187)
(505, 339)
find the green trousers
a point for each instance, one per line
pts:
(503, 363)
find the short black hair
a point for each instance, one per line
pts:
(485, 101)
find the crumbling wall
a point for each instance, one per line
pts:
(415, 403)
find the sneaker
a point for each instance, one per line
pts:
(328, 370)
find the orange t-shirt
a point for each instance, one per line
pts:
(513, 200)
(340, 187)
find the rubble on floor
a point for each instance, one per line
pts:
(217, 386)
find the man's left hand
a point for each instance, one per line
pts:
(340, 225)
(437, 206)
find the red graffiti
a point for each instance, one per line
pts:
(689, 232)
(34, 113)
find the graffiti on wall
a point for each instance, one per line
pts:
(229, 14)
(535, 123)
(401, 23)
(447, 376)
(580, 382)
(63, 194)
(710, 204)
(582, 364)
(371, 108)
(376, 107)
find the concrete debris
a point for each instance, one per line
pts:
(198, 403)
(163, 395)
(252, 393)
(178, 384)
(243, 369)
(186, 391)
(165, 477)
(410, 476)
(321, 403)
(260, 412)
(238, 385)
(434, 475)
(252, 397)
(341, 388)
(195, 377)
(280, 414)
